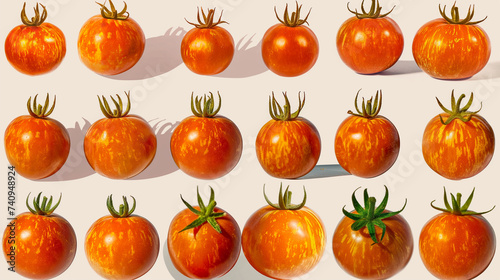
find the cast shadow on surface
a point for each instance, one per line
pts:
(402, 67)
(325, 171)
(247, 61)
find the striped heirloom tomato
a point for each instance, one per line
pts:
(35, 47)
(458, 144)
(119, 146)
(372, 242)
(112, 42)
(458, 243)
(121, 246)
(42, 243)
(36, 145)
(288, 146)
(204, 242)
(367, 144)
(451, 48)
(283, 240)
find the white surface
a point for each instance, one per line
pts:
(161, 86)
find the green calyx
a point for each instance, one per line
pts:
(39, 111)
(293, 20)
(206, 213)
(455, 17)
(374, 11)
(208, 19)
(118, 111)
(370, 109)
(124, 210)
(456, 207)
(285, 200)
(369, 216)
(284, 114)
(205, 108)
(45, 208)
(456, 111)
(37, 19)
(112, 13)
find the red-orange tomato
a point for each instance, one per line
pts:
(202, 252)
(283, 244)
(44, 246)
(358, 256)
(457, 246)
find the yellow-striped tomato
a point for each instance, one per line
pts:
(122, 246)
(458, 144)
(282, 240)
(288, 146)
(370, 42)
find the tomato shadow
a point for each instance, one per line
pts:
(325, 171)
(401, 67)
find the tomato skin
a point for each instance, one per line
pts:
(289, 51)
(45, 246)
(206, 148)
(207, 51)
(366, 147)
(460, 149)
(110, 47)
(122, 248)
(355, 253)
(202, 252)
(451, 51)
(120, 148)
(288, 149)
(36, 147)
(457, 247)
(370, 45)
(35, 50)
(283, 244)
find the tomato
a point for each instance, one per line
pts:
(119, 146)
(204, 242)
(207, 49)
(39, 244)
(121, 245)
(367, 144)
(288, 146)
(289, 48)
(368, 252)
(282, 240)
(370, 42)
(457, 243)
(458, 144)
(451, 48)
(112, 42)
(36, 145)
(206, 146)
(35, 47)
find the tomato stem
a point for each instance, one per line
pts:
(284, 114)
(285, 200)
(206, 214)
(456, 207)
(293, 20)
(118, 111)
(43, 209)
(207, 110)
(455, 16)
(374, 12)
(370, 109)
(456, 111)
(37, 19)
(39, 111)
(124, 210)
(208, 19)
(113, 13)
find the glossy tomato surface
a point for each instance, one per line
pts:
(357, 254)
(202, 252)
(36, 147)
(44, 246)
(457, 247)
(122, 248)
(283, 244)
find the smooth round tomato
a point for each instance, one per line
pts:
(289, 48)
(367, 144)
(207, 249)
(112, 42)
(121, 245)
(451, 48)
(370, 42)
(207, 49)
(287, 146)
(458, 144)
(39, 243)
(206, 146)
(35, 47)
(119, 146)
(284, 241)
(36, 145)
